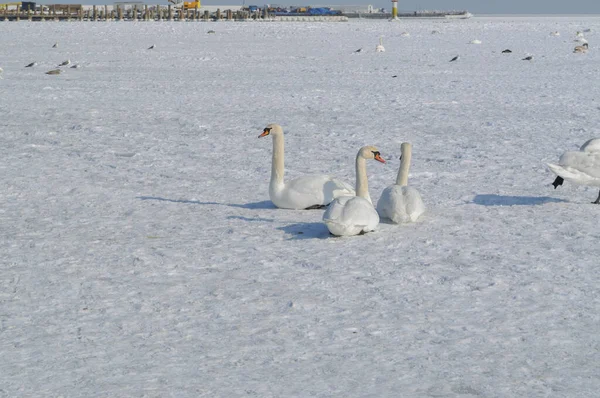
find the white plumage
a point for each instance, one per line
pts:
(380, 48)
(305, 192)
(399, 202)
(580, 167)
(352, 215)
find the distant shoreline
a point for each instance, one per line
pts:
(475, 15)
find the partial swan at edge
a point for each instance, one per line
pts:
(580, 167)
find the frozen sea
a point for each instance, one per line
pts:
(141, 256)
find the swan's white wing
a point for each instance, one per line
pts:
(583, 162)
(316, 190)
(335, 210)
(400, 204)
(573, 175)
(348, 216)
(414, 203)
(387, 202)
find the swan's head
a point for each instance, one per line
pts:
(271, 129)
(370, 152)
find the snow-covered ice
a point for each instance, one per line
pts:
(141, 256)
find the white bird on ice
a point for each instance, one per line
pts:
(399, 202)
(380, 48)
(353, 215)
(580, 167)
(306, 192)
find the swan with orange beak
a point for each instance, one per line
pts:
(354, 215)
(306, 192)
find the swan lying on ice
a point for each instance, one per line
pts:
(399, 202)
(353, 215)
(580, 167)
(307, 192)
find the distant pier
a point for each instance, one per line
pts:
(148, 13)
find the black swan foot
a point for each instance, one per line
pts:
(558, 181)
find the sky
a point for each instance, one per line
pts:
(474, 6)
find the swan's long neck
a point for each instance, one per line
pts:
(362, 185)
(402, 178)
(277, 166)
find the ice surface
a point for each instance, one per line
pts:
(142, 258)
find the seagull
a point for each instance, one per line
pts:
(528, 58)
(65, 63)
(507, 51)
(151, 47)
(455, 58)
(405, 34)
(55, 45)
(54, 72)
(31, 65)
(581, 49)
(555, 33)
(359, 50)
(380, 48)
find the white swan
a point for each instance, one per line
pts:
(352, 215)
(380, 48)
(399, 202)
(580, 167)
(308, 192)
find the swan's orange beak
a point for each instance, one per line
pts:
(264, 133)
(379, 158)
